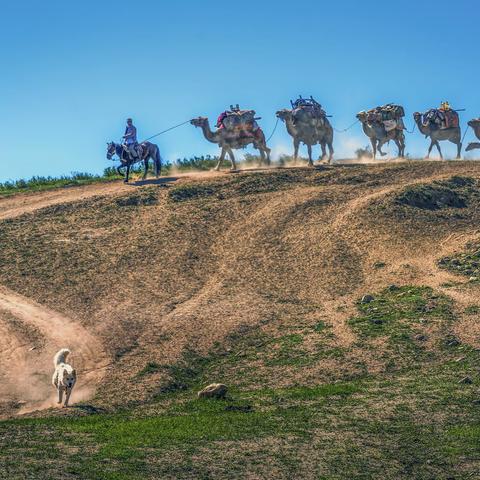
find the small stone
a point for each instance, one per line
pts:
(476, 402)
(473, 279)
(377, 321)
(31, 349)
(466, 381)
(367, 299)
(421, 338)
(215, 390)
(393, 288)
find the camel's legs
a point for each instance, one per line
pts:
(310, 161)
(437, 144)
(323, 146)
(401, 147)
(296, 146)
(331, 152)
(458, 143)
(380, 145)
(232, 159)
(267, 152)
(264, 154)
(373, 141)
(221, 159)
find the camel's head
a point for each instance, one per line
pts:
(475, 123)
(284, 114)
(417, 116)
(362, 116)
(199, 122)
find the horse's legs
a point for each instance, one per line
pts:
(145, 164)
(310, 162)
(157, 162)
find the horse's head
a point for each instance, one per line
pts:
(111, 150)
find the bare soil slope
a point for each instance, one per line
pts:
(136, 280)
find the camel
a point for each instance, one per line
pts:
(379, 136)
(475, 124)
(228, 141)
(439, 134)
(306, 133)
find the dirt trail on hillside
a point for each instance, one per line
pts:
(27, 359)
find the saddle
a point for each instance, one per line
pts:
(237, 119)
(308, 110)
(441, 119)
(139, 148)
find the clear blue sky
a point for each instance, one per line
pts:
(72, 72)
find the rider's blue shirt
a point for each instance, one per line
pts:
(132, 131)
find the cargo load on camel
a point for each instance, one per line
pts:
(389, 115)
(308, 110)
(238, 121)
(441, 118)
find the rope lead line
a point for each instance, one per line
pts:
(465, 133)
(346, 129)
(270, 137)
(165, 131)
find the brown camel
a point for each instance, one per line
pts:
(439, 134)
(228, 141)
(475, 124)
(308, 134)
(379, 136)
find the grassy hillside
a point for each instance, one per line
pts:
(340, 306)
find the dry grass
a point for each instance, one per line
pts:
(254, 279)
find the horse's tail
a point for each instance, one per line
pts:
(158, 162)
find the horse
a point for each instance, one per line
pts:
(150, 151)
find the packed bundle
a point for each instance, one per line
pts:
(308, 110)
(389, 115)
(441, 118)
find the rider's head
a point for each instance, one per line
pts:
(129, 121)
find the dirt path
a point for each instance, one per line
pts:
(27, 361)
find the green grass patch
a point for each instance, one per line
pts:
(452, 193)
(39, 183)
(465, 263)
(393, 312)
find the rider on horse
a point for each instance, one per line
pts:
(131, 143)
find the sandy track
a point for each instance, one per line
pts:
(27, 365)
(11, 207)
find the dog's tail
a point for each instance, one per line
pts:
(61, 356)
